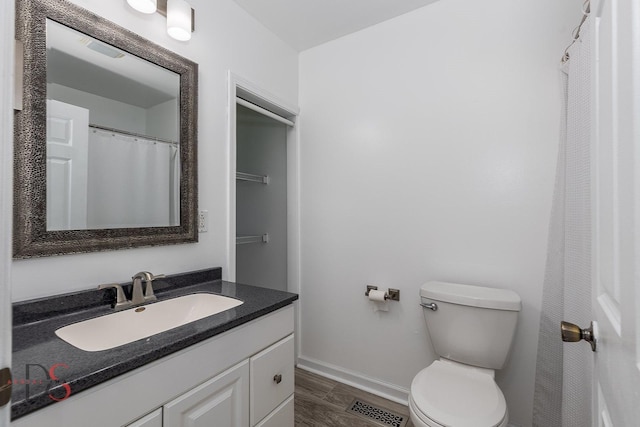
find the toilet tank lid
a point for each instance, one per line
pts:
(474, 296)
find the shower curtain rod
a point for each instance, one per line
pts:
(138, 135)
(586, 10)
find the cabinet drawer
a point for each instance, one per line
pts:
(153, 419)
(271, 375)
(282, 416)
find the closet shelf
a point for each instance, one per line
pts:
(241, 176)
(243, 240)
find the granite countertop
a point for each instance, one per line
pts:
(38, 353)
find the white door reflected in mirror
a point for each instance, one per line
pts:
(67, 163)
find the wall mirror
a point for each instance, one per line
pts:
(105, 143)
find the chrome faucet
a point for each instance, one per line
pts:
(137, 295)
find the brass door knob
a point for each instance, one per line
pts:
(573, 333)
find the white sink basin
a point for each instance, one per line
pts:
(123, 327)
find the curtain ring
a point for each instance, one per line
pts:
(576, 33)
(586, 7)
(565, 56)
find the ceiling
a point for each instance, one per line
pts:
(72, 62)
(307, 23)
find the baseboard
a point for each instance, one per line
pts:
(355, 379)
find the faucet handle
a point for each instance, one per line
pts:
(121, 299)
(148, 289)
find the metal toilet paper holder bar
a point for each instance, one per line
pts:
(391, 294)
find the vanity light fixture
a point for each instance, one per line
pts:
(180, 16)
(144, 6)
(179, 19)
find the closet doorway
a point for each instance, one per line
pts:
(264, 237)
(261, 199)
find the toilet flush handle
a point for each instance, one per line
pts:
(431, 306)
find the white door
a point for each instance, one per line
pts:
(616, 211)
(67, 159)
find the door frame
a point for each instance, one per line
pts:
(7, 37)
(262, 98)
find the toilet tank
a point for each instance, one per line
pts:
(474, 325)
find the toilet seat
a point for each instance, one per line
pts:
(450, 394)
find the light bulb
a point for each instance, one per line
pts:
(179, 19)
(144, 6)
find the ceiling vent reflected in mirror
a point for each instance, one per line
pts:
(105, 50)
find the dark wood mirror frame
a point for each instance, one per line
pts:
(30, 235)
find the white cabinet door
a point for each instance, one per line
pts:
(283, 416)
(153, 419)
(272, 378)
(223, 401)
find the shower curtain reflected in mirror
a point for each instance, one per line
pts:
(133, 182)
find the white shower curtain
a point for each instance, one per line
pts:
(133, 182)
(563, 371)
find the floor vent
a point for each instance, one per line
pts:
(378, 415)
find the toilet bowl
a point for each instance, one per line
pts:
(448, 394)
(471, 329)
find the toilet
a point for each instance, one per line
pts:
(471, 329)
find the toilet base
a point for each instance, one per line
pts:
(420, 421)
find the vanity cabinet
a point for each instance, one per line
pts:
(255, 392)
(241, 378)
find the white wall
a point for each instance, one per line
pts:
(428, 152)
(160, 121)
(225, 38)
(102, 111)
(163, 120)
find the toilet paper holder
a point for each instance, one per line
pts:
(391, 294)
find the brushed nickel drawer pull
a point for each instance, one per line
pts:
(277, 378)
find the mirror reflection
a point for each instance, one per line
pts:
(113, 155)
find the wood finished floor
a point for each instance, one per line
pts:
(321, 402)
